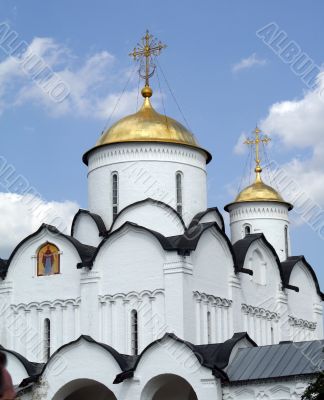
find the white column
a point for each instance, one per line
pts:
(219, 324)
(104, 324)
(230, 318)
(59, 328)
(110, 323)
(65, 324)
(318, 318)
(77, 322)
(204, 322)
(198, 322)
(53, 328)
(151, 300)
(126, 325)
(27, 334)
(213, 323)
(179, 302)
(114, 332)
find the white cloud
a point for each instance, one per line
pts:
(23, 215)
(93, 83)
(240, 147)
(299, 124)
(249, 62)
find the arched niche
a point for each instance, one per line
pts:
(84, 389)
(168, 386)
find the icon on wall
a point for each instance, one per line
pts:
(48, 260)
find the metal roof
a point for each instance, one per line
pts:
(276, 361)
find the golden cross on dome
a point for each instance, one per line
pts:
(148, 47)
(256, 142)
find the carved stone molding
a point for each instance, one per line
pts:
(129, 296)
(260, 312)
(293, 321)
(39, 306)
(213, 300)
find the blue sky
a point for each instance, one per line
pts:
(225, 78)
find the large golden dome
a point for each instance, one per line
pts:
(258, 192)
(147, 125)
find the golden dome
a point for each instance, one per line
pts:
(147, 125)
(258, 191)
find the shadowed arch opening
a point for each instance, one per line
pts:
(84, 389)
(168, 387)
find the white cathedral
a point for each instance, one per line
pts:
(148, 298)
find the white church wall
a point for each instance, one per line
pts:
(86, 230)
(290, 389)
(214, 319)
(259, 294)
(28, 287)
(32, 299)
(178, 281)
(152, 215)
(304, 307)
(67, 370)
(16, 368)
(212, 216)
(131, 260)
(115, 316)
(212, 271)
(146, 170)
(268, 218)
(212, 264)
(171, 358)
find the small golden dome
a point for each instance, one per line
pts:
(258, 191)
(147, 125)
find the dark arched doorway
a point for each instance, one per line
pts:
(84, 389)
(168, 387)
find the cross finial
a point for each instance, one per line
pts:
(145, 50)
(256, 142)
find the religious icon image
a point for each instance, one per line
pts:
(48, 260)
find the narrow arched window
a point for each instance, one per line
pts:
(272, 336)
(179, 192)
(115, 194)
(209, 327)
(47, 339)
(247, 230)
(134, 332)
(286, 241)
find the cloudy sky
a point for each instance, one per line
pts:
(229, 64)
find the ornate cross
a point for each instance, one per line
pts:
(148, 47)
(256, 142)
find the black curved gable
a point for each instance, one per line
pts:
(183, 244)
(96, 218)
(219, 354)
(153, 201)
(85, 252)
(3, 268)
(198, 217)
(31, 368)
(288, 266)
(195, 349)
(242, 246)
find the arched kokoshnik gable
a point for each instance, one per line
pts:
(149, 200)
(242, 246)
(30, 367)
(102, 230)
(124, 362)
(183, 244)
(289, 265)
(85, 252)
(198, 217)
(215, 357)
